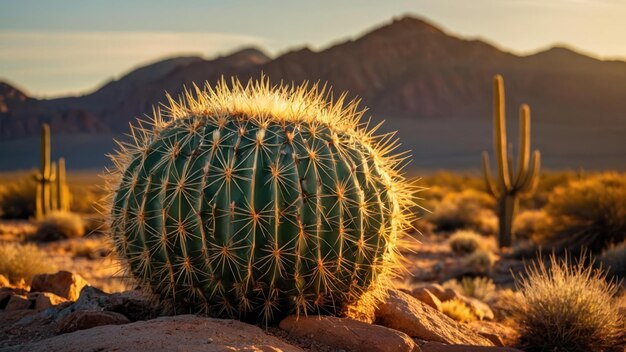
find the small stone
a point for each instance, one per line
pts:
(87, 319)
(5, 296)
(449, 294)
(435, 289)
(44, 300)
(405, 313)
(494, 338)
(348, 334)
(17, 302)
(133, 304)
(427, 297)
(63, 283)
(479, 308)
(499, 334)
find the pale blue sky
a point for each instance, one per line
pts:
(58, 47)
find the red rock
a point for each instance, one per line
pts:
(427, 297)
(63, 283)
(435, 289)
(5, 296)
(405, 313)
(499, 334)
(449, 294)
(17, 302)
(348, 334)
(87, 319)
(439, 347)
(185, 333)
(480, 309)
(4, 282)
(44, 300)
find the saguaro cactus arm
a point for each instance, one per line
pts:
(499, 132)
(490, 184)
(524, 145)
(532, 177)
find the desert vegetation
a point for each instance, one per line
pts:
(479, 285)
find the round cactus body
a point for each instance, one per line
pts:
(256, 202)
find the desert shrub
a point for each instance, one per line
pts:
(589, 213)
(480, 262)
(23, 261)
(465, 242)
(567, 306)
(454, 181)
(469, 209)
(548, 181)
(59, 225)
(614, 260)
(17, 199)
(529, 223)
(481, 288)
(457, 310)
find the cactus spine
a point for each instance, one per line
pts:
(253, 202)
(509, 187)
(45, 176)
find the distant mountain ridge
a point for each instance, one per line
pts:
(409, 72)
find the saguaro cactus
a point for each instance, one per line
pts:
(510, 185)
(62, 190)
(254, 202)
(45, 177)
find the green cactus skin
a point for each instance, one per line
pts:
(45, 177)
(510, 188)
(253, 217)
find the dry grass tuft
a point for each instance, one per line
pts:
(22, 261)
(481, 288)
(458, 310)
(59, 225)
(567, 307)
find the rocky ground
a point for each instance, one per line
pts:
(85, 307)
(63, 313)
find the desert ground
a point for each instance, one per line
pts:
(457, 289)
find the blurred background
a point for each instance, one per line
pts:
(89, 68)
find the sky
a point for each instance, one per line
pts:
(53, 48)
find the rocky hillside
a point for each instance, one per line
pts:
(429, 84)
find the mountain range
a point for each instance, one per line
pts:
(431, 86)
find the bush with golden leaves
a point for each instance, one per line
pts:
(589, 213)
(468, 209)
(59, 225)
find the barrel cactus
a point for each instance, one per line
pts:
(257, 201)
